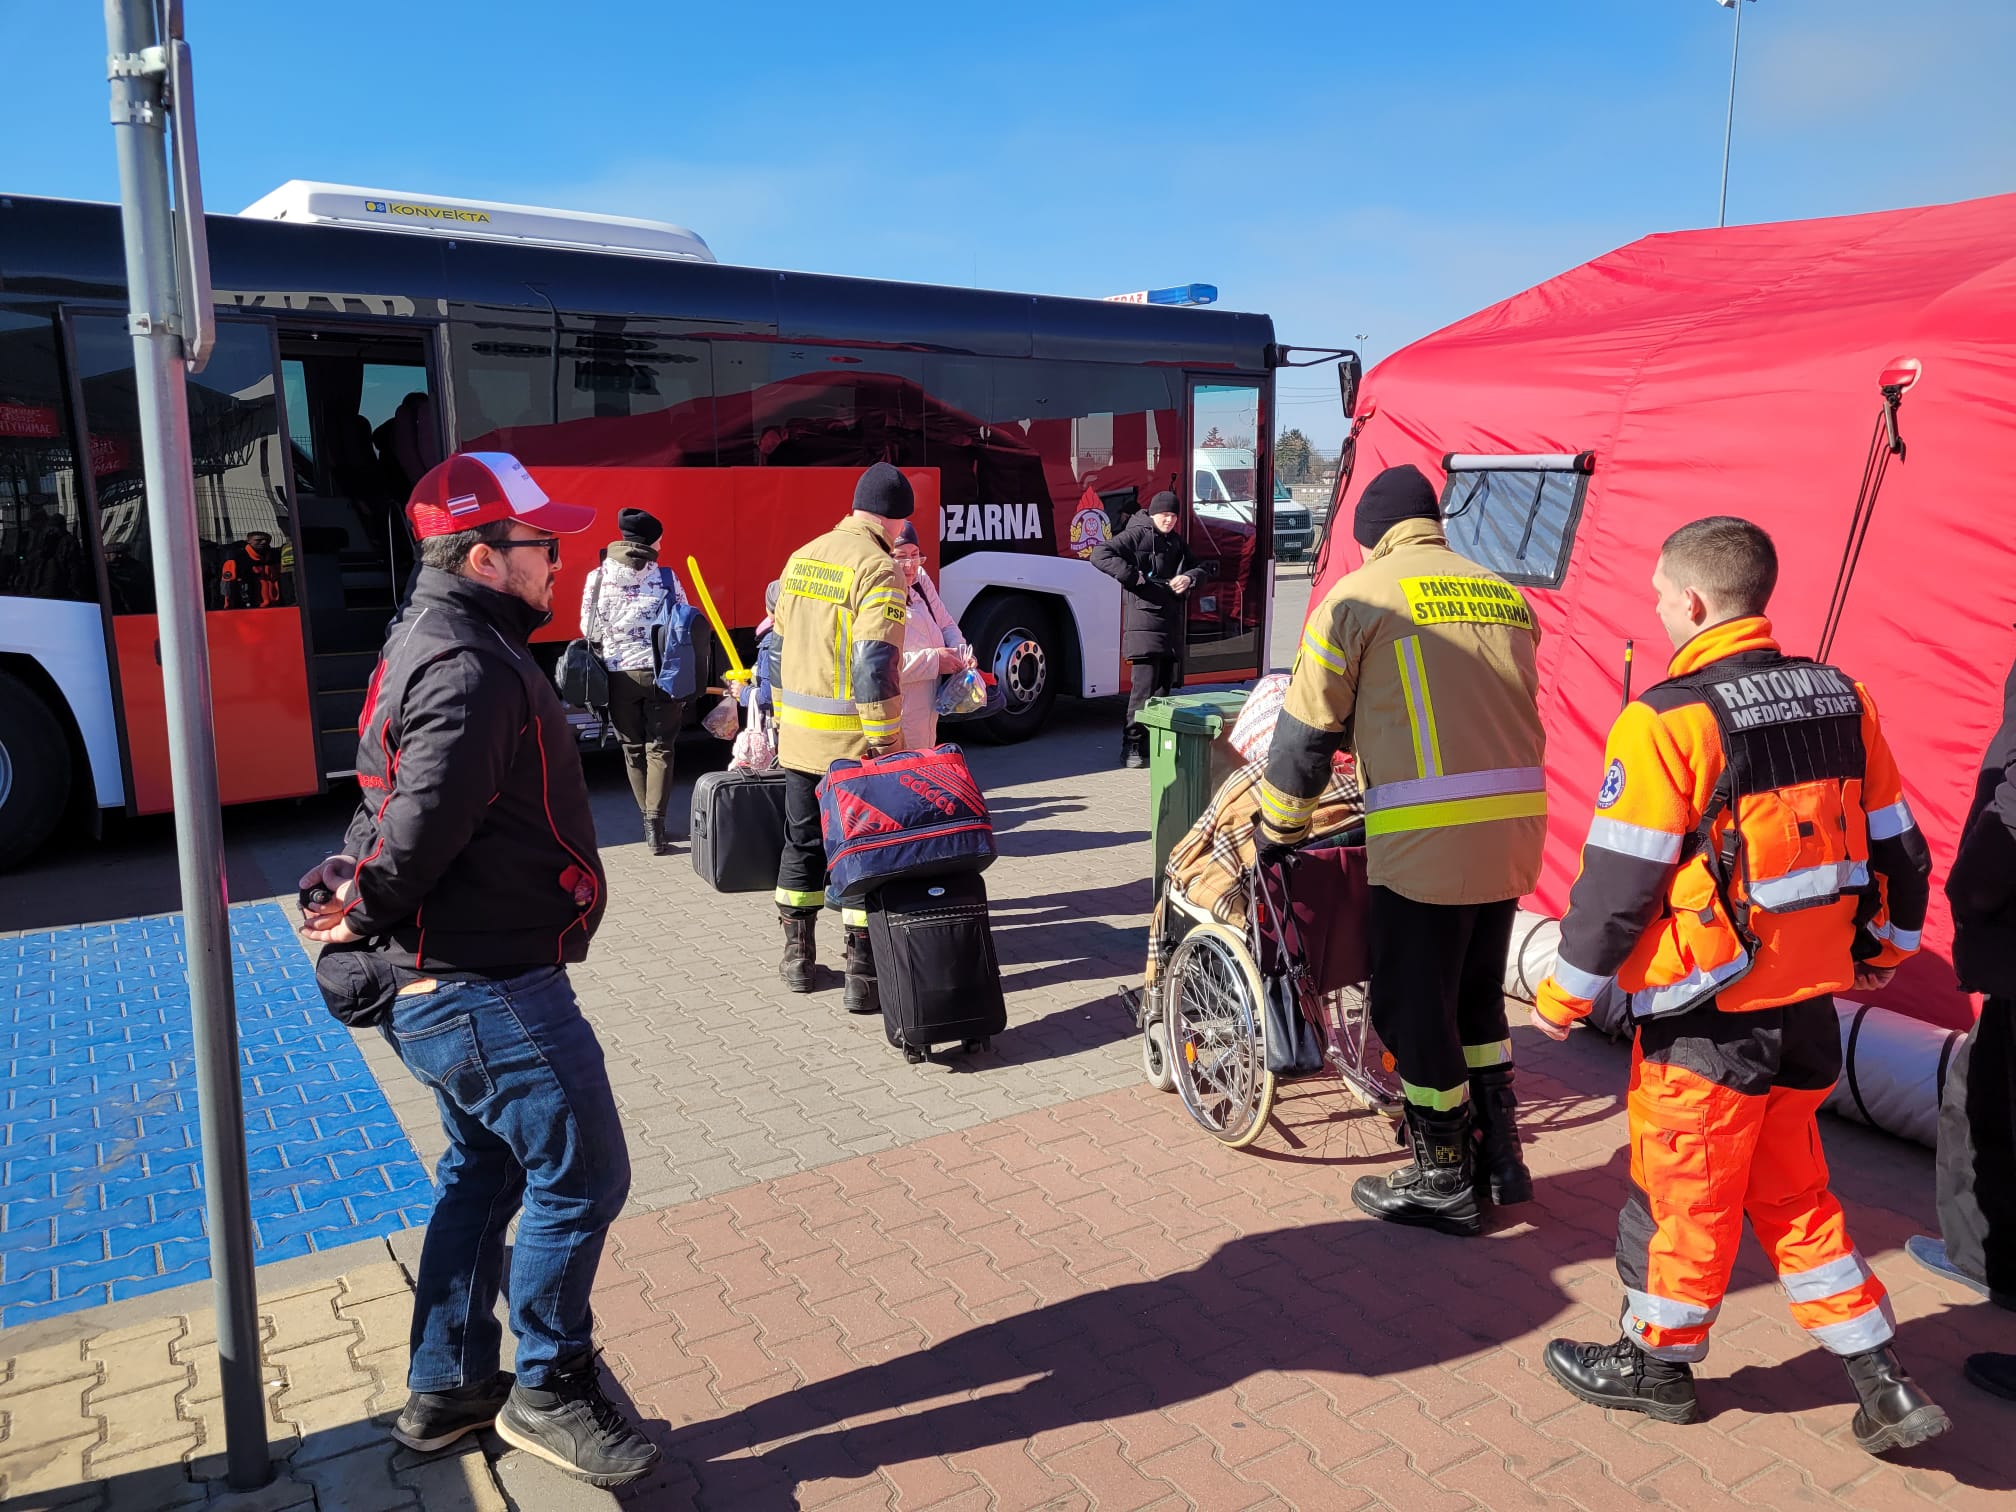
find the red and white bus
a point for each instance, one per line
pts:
(362, 334)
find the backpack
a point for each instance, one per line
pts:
(682, 642)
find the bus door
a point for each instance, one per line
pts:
(1227, 518)
(258, 663)
(362, 427)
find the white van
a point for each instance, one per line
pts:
(1223, 484)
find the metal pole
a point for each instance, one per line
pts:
(138, 72)
(1729, 126)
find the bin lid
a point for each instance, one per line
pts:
(1207, 713)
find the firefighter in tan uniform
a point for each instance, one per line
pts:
(838, 695)
(1424, 663)
(1752, 854)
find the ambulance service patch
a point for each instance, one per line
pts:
(1613, 785)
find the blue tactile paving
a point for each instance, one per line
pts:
(101, 1164)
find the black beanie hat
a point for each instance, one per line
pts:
(1399, 493)
(1164, 503)
(884, 491)
(636, 525)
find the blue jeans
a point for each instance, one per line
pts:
(531, 1124)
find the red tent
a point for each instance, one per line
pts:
(1736, 372)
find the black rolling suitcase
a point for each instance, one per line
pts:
(935, 968)
(737, 829)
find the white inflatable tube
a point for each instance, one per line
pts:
(1893, 1068)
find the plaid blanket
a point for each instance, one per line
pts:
(1208, 866)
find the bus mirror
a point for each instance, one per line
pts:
(1350, 373)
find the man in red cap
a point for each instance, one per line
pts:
(469, 879)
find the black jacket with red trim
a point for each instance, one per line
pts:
(475, 843)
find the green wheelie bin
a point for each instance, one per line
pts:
(1188, 757)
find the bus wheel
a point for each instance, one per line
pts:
(34, 771)
(1015, 639)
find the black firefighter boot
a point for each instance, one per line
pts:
(1134, 747)
(1623, 1376)
(1439, 1190)
(862, 996)
(1894, 1413)
(1498, 1163)
(801, 945)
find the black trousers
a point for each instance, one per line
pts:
(801, 873)
(1153, 677)
(1976, 1167)
(1437, 993)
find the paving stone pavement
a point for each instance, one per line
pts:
(1095, 1305)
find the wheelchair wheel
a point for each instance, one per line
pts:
(1357, 1055)
(1215, 1038)
(1158, 1068)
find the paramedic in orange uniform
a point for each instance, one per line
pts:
(1752, 854)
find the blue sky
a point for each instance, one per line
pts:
(1348, 168)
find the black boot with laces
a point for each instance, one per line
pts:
(568, 1422)
(1623, 1376)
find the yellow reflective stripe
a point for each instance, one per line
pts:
(1420, 708)
(1284, 809)
(854, 918)
(1420, 816)
(879, 729)
(1332, 657)
(809, 719)
(843, 646)
(792, 899)
(1440, 1099)
(1478, 1057)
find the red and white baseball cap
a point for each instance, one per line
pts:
(474, 488)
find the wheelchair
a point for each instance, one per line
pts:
(1225, 996)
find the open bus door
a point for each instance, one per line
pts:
(258, 655)
(1230, 520)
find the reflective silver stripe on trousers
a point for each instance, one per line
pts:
(1576, 981)
(1642, 1309)
(1858, 1335)
(1889, 823)
(812, 704)
(1634, 840)
(1489, 784)
(1809, 884)
(1823, 1281)
(1654, 1001)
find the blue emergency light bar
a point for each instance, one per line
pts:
(1182, 294)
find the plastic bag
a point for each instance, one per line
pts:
(961, 693)
(723, 720)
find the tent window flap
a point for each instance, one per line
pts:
(1517, 520)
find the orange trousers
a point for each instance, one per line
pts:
(1722, 1127)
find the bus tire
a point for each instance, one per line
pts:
(34, 771)
(1015, 639)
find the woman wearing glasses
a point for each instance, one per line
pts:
(628, 597)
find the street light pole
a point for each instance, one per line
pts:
(148, 64)
(1729, 126)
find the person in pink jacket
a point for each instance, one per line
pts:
(932, 644)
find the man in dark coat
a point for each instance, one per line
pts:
(1153, 564)
(1977, 1115)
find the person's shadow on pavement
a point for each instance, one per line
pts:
(1349, 1297)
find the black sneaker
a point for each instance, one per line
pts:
(569, 1423)
(435, 1419)
(1623, 1376)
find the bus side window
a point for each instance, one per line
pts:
(42, 534)
(236, 448)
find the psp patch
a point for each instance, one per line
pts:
(1613, 785)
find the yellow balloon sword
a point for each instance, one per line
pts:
(739, 673)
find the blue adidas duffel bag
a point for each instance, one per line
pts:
(914, 814)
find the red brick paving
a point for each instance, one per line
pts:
(1096, 1306)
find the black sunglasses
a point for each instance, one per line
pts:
(549, 544)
